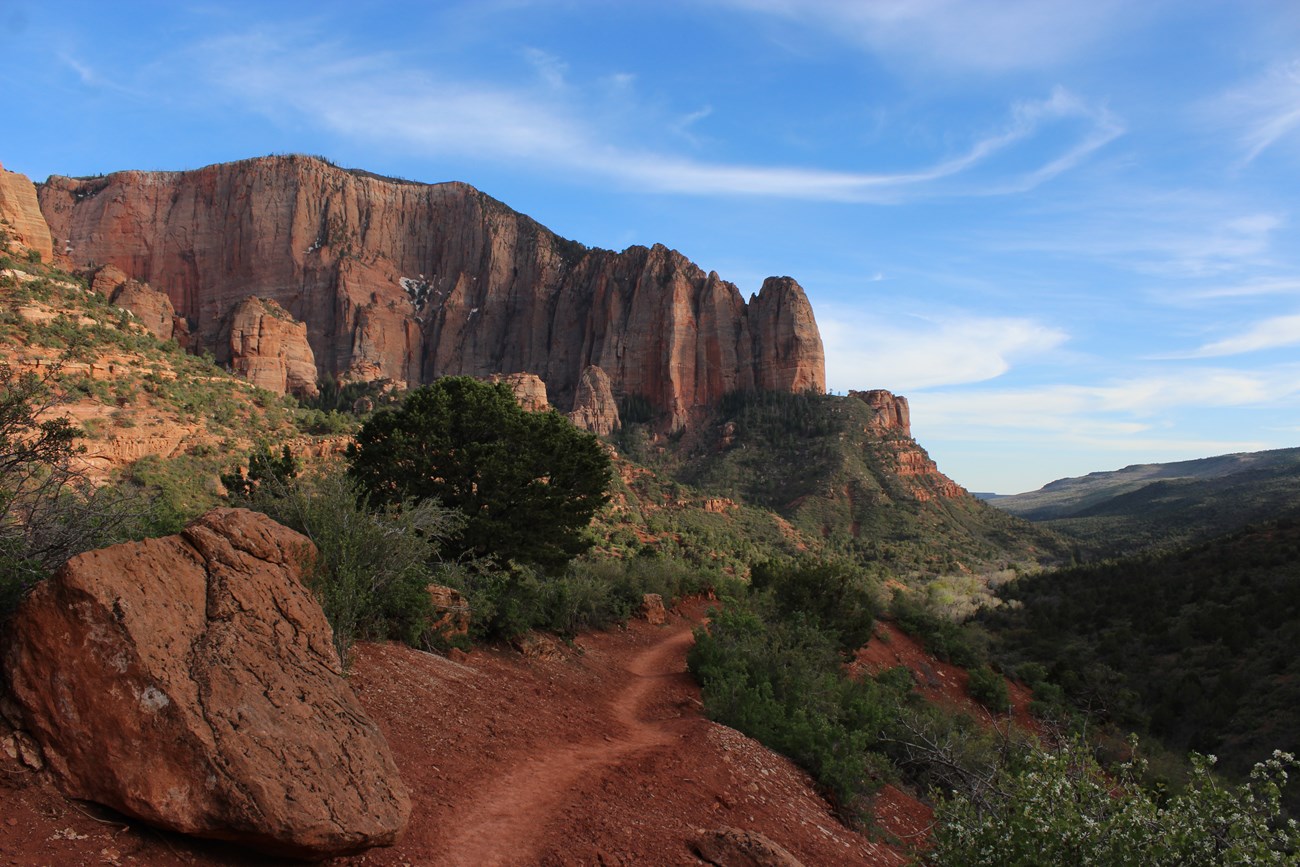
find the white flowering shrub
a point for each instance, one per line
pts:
(1061, 808)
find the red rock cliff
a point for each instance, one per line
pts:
(412, 281)
(908, 461)
(19, 208)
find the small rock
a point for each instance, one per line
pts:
(538, 645)
(453, 611)
(730, 847)
(652, 609)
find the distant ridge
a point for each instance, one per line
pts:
(1148, 505)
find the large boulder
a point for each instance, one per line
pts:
(192, 682)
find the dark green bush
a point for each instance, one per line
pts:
(527, 482)
(837, 598)
(989, 688)
(949, 641)
(374, 565)
(782, 682)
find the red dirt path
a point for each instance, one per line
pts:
(601, 757)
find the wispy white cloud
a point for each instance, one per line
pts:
(982, 35)
(865, 350)
(1169, 236)
(1104, 126)
(93, 78)
(1250, 288)
(550, 68)
(1262, 113)
(1270, 333)
(556, 124)
(1114, 412)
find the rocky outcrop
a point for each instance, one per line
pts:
(21, 210)
(528, 389)
(266, 346)
(594, 406)
(150, 306)
(452, 610)
(652, 609)
(906, 459)
(892, 412)
(192, 682)
(410, 282)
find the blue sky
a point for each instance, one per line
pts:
(1066, 230)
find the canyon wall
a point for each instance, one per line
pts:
(410, 282)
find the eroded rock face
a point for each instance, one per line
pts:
(453, 611)
(192, 682)
(892, 412)
(652, 609)
(20, 208)
(594, 406)
(152, 307)
(528, 389)
(410, 282)
(909, 461)
(269, 348)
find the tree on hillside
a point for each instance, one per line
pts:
(528, 483)
(49, 510)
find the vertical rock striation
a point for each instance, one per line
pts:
(594, 407)
(266, 346)
(410, 282)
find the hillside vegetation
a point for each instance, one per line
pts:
(1195, 646)
(818, 461)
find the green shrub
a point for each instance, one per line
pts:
(528, 482)
(374, 567)
(836, 597)
(989, 688)
(949, 641)
(1061, 808)
(782, 683)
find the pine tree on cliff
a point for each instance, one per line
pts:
(528, 482)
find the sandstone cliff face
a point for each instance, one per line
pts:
(21, 210)
(892, 412)
(409, 282)
(267, 347)
(594, 406)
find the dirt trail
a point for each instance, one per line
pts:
(503, 824)
(599, 758)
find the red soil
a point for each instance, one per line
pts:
(937, 681)
(599, 758)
